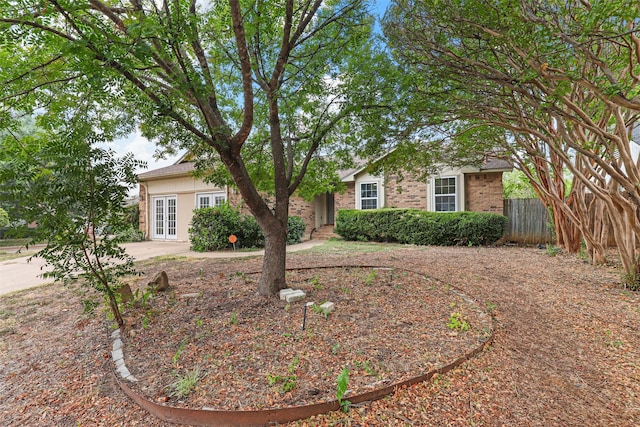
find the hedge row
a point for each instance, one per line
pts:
(211, 227)
(419, 227)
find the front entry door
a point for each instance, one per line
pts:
(165, 217)
(330, 208)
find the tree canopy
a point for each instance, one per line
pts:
(265, 89)
(554, 84)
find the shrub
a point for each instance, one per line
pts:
(250, 235)
(4, 218)
(479, 228)
(418, 227)
(295, 227)
(132, 215)
(131, 234)
(211, 227)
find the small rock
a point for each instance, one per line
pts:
(160, 282)
(284, 292)
(297, 295)
(117, 354)
(125, 293)
(328, 307)
(193, 295)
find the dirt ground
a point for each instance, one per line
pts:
(565, 346)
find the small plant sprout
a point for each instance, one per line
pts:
(146, 318)
(341, 389)
(176, 356)
(553, 250)
(370, 278)
(234, 318)
(286, 383)
(457, 323)
(491, 307)
(315, 282)
(366, 366)
(141, 298)
(185, 384)
(335, 348)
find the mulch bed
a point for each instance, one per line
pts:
(565, 349)
(250, 352)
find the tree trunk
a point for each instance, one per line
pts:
(624, 219)
(272, 222)
(113, 304)
(274, 262)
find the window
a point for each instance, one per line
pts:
(209, 200)
(445, 194)
(369, 195)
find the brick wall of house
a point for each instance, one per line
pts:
(142, 214)
(346, 200)
(408, 193)
(483, 192)
(297, 207)
(305, 210)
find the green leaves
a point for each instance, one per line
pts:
(341, 388)
(75, 193)
(418, 227)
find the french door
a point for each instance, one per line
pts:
(165, 217)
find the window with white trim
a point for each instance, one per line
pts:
(445, 194)
(369, 195)
(209, 200)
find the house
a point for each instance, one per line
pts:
(168, 195)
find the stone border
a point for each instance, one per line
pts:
(219, 418)
(118, 357)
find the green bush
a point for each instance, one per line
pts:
(250, 235)
(295, 227)
(131, 234)
(132, 215)
(418, 227)
(211, 228)
(4, 218)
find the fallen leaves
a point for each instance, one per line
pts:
(565, 352)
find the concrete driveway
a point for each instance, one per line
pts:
(18, 274)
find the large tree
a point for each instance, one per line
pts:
(555, 83)
(262, 87)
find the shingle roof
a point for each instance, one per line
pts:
(493, 163)
(490, 163)
(173, 170)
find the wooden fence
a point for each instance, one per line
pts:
(529, 221)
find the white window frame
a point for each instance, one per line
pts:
(165, 222)
(455, 194)
(376, 198)
(218, 198)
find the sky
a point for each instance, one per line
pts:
(144, 150)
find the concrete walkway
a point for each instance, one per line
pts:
(18, 274)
